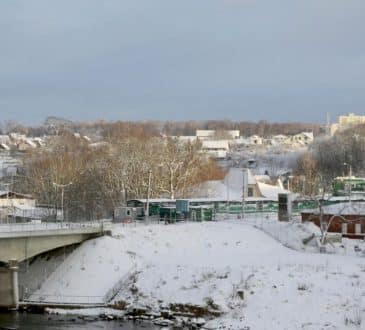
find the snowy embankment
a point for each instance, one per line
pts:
(227, 267)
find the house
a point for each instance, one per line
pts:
(10, 199)
(185, 138)
(216, 148)
(39, 142)
(203, 134)
(304, 138)
(24, 145)
(18, 207)
(346, 218)
(279, 139)
(256, 140)
(238, 184)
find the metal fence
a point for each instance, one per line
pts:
(63, 299)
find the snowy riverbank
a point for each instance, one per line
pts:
(229, 267)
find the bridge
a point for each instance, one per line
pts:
(19, 242)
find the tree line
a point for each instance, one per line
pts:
(98, 178)
(106, 129)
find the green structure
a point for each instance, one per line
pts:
(206, 209)
(201, 213)
(344, 186)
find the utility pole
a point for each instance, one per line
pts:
(62, 186)
(350, 178)
(244, 190)
(148, 196)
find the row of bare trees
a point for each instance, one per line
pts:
(330, 158)
(101, 177)
(124, 129)
(261, 128)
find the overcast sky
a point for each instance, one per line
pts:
(284, 60)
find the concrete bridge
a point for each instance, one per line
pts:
(19, 242)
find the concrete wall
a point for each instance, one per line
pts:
(9, 294)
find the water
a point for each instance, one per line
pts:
(29, 321)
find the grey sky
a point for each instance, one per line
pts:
(284, 60)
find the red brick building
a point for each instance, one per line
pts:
(346, 218)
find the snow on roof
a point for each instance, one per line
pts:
(234, 178)
(100, 144)
(212, 189)
(6, 193)
(153, 200)
(263, 178)
(4, 146)
(240, 140)
(204, 132)
(280, 136)
(349, 208)
(270, 191)
(346, 198)
(230, 188)
(29, 142)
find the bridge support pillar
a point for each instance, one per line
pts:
(9, 289)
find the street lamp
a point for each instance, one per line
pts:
(350, 169)
(62, 186)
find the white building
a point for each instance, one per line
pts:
(10, 199)
(256, 140)
(203, 134)
(345, 122)
(304, 138)
(216, 148)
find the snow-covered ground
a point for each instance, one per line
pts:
(232, 266)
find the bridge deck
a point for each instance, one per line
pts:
(23, 241)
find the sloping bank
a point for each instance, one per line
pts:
(227, 272)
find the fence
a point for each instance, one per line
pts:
(64, 299)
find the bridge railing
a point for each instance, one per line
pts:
(30, 226)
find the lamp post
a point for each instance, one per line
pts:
(7, 201)
(62, 186)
